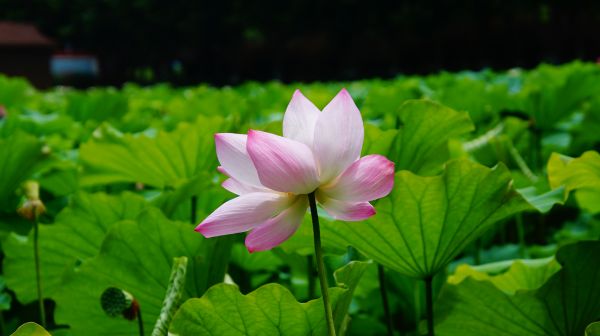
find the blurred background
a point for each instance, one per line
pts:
(82, 42)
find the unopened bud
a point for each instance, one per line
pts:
(2, 112)
(117, 302)
(33, 207)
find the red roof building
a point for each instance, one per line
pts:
(25, 52)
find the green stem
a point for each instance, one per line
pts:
(2, 324)
(320, 265)
(194, 205)
(516, 156)
(477, 254)
(417, 291)
(384, 299)
(310, 272)
(521, 235)
(535, 148)
(429, 302)
(140, 322)
(36, 255)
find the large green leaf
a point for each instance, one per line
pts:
(167, 159)
(20, 154)
(581, 175)
(136, 256)
(427, 221)
(564, 305)
(421, 145)
(75, 237)
(269, 310)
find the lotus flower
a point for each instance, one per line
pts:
(319, 152)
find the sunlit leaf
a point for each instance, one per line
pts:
(581, 175)
(269, 310)
(521, 274)
(543, 201)
(31, 329)
(564, 305)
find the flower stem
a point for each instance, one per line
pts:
(320, 265)
(36, 255)
(429, 303)
(384, 299)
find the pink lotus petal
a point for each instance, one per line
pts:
(277, 230)
(240, 188)
(300, 119)
(243, 213)
(234, 159)
(282, 164)
(369, 178)
(339, 135)
(347, 211)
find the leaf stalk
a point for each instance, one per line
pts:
(38, 280)
(429, 304)
(384, 300)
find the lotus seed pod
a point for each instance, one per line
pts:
(117, 302)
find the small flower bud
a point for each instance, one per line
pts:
(2, 112)
(33, 207)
